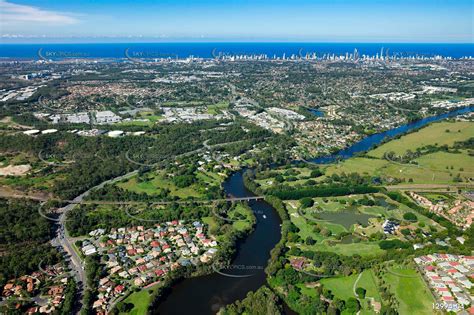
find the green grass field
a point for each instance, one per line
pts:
(211, 222)
(431, 168)
(357, 164)
(209, 177)
(44, 183)
(343, 288)
(305, 228)
(430, 135)
(140, 300)
(412, 293)
(327, 243)
(149, 116)
(448, 162)
(362, 248)
(306, 291)
(216, 108)
(384, 208)
(242, 224)
(155, 183)
(398, 212)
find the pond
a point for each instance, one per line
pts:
(346, 218)
(316, 112)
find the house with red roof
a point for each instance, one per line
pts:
(297, 263)
(119, 289)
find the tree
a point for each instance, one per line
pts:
(339, 304)
(361, 292)
(262, 301)
(393, 244)
(316, 173)
(310, 241)
(410, 216)
(125, 307)
(306, 202)
(183, 181)
(326, 232)
(279, 178)
(405, 232)
(352, 305)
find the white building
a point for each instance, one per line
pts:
(107, 117)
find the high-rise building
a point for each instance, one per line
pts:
(356, 54)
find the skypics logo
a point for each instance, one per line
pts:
(235, 270)
(147, 56)
(382, 55)
(45, 104)
(56, 55)
(230, 219)
(148, 158)
(230, 55)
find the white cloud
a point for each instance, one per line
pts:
(12, 13)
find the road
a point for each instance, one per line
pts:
(186, 154)
(157, 203)
(354, 287)
(64, 240)
(77, 201)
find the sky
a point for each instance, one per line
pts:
(433, 21)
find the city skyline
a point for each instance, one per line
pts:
(237, 21)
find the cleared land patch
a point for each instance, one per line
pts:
(15, 170)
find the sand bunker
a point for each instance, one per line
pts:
(15, 170)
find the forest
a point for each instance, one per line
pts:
(23, 239)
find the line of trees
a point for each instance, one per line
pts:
(324, 191)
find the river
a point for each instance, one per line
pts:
(375, 139)
(206, 294)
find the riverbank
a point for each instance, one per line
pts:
(206, 295)
(369, 142)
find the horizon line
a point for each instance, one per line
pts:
(226, 42)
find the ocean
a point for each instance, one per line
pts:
(208, 50)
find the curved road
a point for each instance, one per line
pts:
(62, 238)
